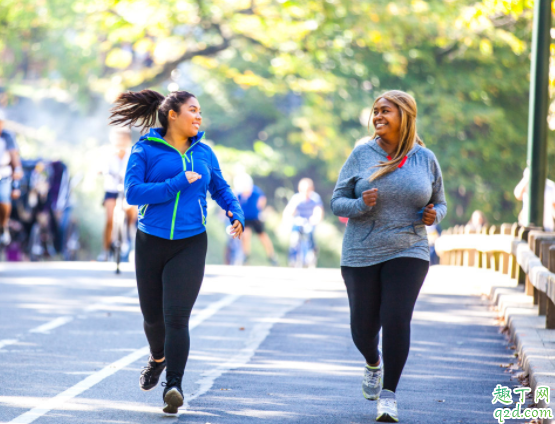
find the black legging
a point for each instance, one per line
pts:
(169, 276)
(383, 296)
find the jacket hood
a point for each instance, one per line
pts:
(160, 133)
(375, 146)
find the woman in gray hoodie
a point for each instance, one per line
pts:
(389, 188)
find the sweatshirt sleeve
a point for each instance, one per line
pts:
(438, 194)
(344, 202)
(221, 193)
(139, 192)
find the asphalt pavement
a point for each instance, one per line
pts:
(267, 345)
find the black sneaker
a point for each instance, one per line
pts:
(173, 395)
(151, 374)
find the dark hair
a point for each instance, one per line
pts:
(140, 109)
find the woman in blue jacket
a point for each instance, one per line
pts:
(168, 174)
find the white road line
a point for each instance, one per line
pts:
(257, 336)
(7, 342)
(110, 300)
(51, 325)
(58, 322)
(53, 403)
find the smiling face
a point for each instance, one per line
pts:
(386, 120)
(189, 119)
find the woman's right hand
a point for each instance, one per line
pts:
(192, 176)
(370, 197)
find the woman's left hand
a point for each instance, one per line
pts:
(237, 227)
(429, 215)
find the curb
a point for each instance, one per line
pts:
(535, 344)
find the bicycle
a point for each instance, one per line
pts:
(302, 252)
(234, 254)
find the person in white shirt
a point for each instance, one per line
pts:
(114, 175)
(521, 193)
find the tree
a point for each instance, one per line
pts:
(299, 76)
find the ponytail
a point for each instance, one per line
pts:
(136, 109)
(141, 109)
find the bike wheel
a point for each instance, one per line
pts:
(71, 243)
(36, 249)
(237, 257)
(299, 259)
(117, 250)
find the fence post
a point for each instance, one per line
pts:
(544, 246)
(529, 288)
(503, 256)
(460, 252)
(512, 259)
(484, 262)
(494, 256)
(523, 235)
(542, 303)
(550, 306)
(534, 239)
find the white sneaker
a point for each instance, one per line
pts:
(372, 382)
(387, 408)
(5, 238)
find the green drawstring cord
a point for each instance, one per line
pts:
(200, 204)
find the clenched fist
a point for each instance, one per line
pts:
(429, 215)
(370, 197)
(192, 176)
(237, 227)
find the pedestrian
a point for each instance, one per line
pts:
(390, 188)
(477, 221)
(168, 174)
(113, 168)
(253, 201)
(10, 170)
(521, 193)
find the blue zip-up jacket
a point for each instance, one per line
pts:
(170, 207)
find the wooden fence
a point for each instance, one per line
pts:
(523, 253)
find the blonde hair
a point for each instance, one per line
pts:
(407, 109)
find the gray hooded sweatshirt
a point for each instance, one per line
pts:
(392, 228)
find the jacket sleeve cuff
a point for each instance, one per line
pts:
(363, 207)
(237, 217)
(181, 181)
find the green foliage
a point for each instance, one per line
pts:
(286, 85)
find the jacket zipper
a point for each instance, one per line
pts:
(183, 157)
(199, 203)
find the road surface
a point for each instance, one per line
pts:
(269, 345)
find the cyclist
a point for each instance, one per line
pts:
(305, 207)
(253, 201)
(10, 170)
(114, 174)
